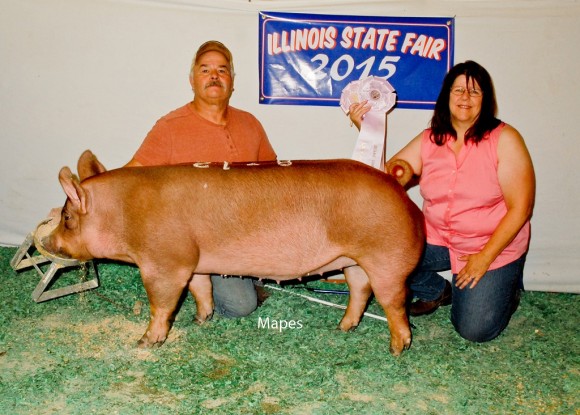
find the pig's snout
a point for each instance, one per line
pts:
(49, 238)
(49, 244)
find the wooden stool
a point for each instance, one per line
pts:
(25, 258)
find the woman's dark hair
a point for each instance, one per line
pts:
(486, 121)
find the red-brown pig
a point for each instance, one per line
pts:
(278, 221)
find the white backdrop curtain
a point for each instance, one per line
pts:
(97, 74)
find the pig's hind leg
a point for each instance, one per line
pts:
(164, 289)
(390, 290)
(360, 292)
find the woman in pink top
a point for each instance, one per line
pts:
(478, 186)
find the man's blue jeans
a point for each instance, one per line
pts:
(234, 296)
(481, 313)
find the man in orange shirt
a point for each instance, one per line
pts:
(208, 129)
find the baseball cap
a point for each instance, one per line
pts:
(214, 45)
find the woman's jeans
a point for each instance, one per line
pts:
(481, 313)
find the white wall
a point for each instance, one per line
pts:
(78, 74)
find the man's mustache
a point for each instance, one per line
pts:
(213, 83)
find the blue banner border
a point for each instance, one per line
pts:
(441, 22)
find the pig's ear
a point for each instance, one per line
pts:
(72, 187)
(88, 165)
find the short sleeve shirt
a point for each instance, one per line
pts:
(183, 136)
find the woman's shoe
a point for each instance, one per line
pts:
(420, 307)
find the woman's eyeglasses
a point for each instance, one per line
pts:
(459, 91)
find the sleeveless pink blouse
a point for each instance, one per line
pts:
(462, 199)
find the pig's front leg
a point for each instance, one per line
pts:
(201, 289)
(164, 289)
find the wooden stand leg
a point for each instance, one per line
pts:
(24, 259)
(39, 294)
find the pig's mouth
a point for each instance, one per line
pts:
(46, 242)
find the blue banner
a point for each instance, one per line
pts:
(308, 59)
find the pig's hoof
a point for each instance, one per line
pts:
(397, 349)
(347, 329)
(145, 343)
(201, 320)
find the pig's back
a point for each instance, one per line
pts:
(299, 197)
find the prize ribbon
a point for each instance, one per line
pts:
(381, 96)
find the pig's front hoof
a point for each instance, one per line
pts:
(199, 320)
(346, 329)
(146, 343)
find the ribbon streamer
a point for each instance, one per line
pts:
(371, 142)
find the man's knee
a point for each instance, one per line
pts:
(241, 309)
(234, 297)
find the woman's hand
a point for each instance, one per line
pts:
(476, 267)
(357, 111)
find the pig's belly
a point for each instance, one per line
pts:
(285, 249)
(279, 268)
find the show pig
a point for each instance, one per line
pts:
(278, 221)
